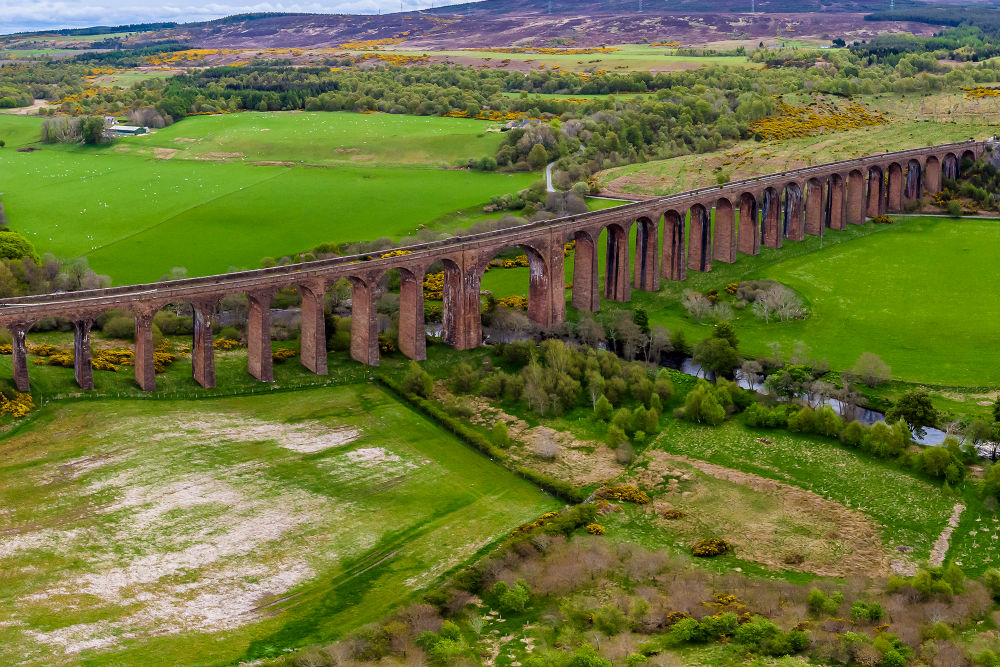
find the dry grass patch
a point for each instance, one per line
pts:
(767, 521)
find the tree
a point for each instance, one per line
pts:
(641, 319)
(92, 130)
(871, 370)
(538, 156)
(989, 488)
(716, 355)
(724, 331)
(916, 409)
(3, 217)
(778, 301)
(603, 408)
(697, 306)
(15, 246)
(589, 331)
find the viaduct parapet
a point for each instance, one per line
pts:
(781, 206)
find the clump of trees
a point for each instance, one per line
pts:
(89, 130)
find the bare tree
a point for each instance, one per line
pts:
(511, 324)
(872, 370)
(629, 333)
(590, 331)
(750, 371)
(696, 305)
(545, 445)
(818, 391)
(659, 342)
(779, 302)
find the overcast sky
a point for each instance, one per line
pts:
(23, 15)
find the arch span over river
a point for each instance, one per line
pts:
(780, 206)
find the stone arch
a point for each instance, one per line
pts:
(949, 166)
(586, 276)
(894, 197)
(647, 271)
(855, 197)
(792, 212)
(876, 192)
(699, 253)
(913, 181)
(969, 155)
(815, 205)
(724, 231)
(835, 217)
(771, 218)
(748, 230)
(932, 174)
(539, 281)
(616, 266)
(673, 265)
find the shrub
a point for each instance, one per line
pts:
(674, 515)
(711, 547)
(283, 354)
(417, 381)
(120, 326)
(225, 344)
(500, 435)
(595, 529)
(230, 332)
(624, 493)
(509, 599)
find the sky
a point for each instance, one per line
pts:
(25, 15)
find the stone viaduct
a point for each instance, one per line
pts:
(781, 206)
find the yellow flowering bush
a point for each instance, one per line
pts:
(16, 407)
(6, 348)
(711, 547)
(817, 118)
(513, 302)
(673, 515)
(225, 344)
(283, 354)
(595, 529)
(434, 286)
(625, 493)
(43, 350)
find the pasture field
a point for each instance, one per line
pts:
(325, 138)
(748, 159)
(232, 529)
(916, 293)
(136, 216)
(125, 78)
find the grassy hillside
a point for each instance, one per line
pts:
(324, 138)
(232, 528)
(136, 216)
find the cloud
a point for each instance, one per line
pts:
(21, 15)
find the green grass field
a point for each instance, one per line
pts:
(233, 528)
(135, 216)
(325, 138)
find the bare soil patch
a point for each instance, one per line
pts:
(165, 153)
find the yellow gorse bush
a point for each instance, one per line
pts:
(16, 407)
(625, 493)
(819, 118)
